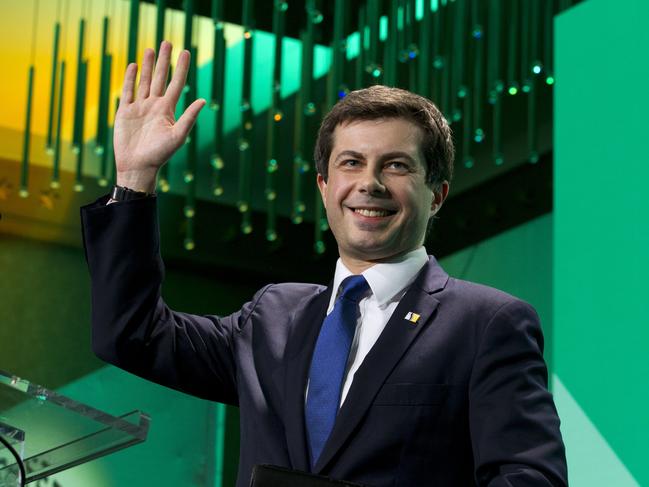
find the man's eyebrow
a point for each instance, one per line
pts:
(397, 155)
(350, 153)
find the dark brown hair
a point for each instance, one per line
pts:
(383, 102)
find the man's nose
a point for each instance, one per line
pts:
(372, 182)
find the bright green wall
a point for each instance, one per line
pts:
(601, 237)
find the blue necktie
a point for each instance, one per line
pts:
(329, 362)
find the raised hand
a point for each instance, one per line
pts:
(146, 132)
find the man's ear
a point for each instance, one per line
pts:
(439, 196)
(322, 186)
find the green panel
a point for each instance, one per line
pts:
(585, 444)
(601, 232)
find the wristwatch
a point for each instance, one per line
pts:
(121, 193)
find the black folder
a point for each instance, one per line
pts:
(273, 476)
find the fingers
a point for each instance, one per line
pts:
(146, 74)
(186, 121)
(161, 70)
(129, 84)
(178, 81)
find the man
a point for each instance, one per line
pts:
(395, 374)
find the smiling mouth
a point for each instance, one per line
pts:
(373, 213)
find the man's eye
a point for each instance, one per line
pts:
(397, 165)
(351, 163)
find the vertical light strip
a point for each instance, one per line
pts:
(413, 49)
(477, 33)
(163, 173)
(161, 6)
(189, 23)
(79, 126)
(107, 140)
(425, 58)
(49, 141)
(459, 89)
(56, 165)
(104, 91)
(496, 84)
(24, 172)
(548, 36)
(533, 70)
(360, 58)
(275, 118)
(373, 67)
(78, 106)
(512, 53)
(305, 111)
(525, 30)
(23, 192)
(217, 101)
(548, 33)
(192, 148)
(134, 22)
(245, 162)
(391, 46)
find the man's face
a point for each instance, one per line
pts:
(377, 200)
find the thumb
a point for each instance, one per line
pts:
(187, 120)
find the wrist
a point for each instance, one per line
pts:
(138, 180)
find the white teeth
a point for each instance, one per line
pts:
(371, 212)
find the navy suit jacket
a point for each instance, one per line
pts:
(459, 398)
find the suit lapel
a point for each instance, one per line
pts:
(399, 333)
(305, 326)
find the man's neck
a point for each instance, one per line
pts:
(358, 266)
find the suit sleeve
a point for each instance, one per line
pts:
(513, 420)
(132, 327)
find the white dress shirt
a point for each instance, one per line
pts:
(388, 283)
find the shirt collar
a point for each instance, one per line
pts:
(387, 280)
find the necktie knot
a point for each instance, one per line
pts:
(353, 288)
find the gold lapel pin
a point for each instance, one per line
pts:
(412, 317)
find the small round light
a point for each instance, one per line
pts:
(188, 177)
(189, 211)
(218, 190)
(246, 228)
(242, 206)
(271, 235)
(319, 247)
(217, 162)
(309, 108)
(189, 244)
(78, 187)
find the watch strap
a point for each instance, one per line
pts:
(122, 193)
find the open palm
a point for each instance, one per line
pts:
(146, 132)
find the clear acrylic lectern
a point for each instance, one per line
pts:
(51, 432)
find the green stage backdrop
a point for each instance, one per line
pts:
(601, 240)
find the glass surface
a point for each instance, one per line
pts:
(52, 432)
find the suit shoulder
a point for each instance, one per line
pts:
(481, 297)
(291, 292)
